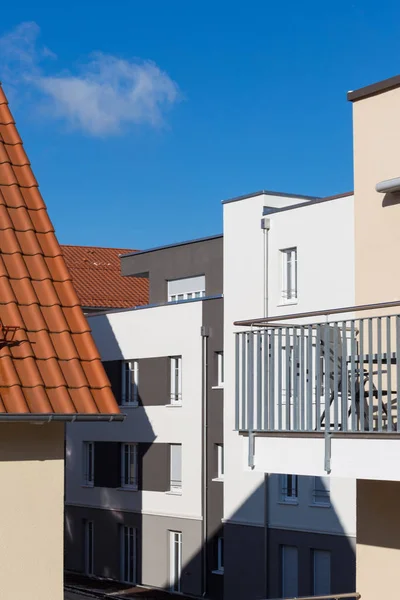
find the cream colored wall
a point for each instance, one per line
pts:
(31, 511)
(378, 539)
(377, 253)
(376, 158)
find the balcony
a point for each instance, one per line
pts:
(314, 389)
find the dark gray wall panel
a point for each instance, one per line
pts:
(244, 577)
(154, 381)
(154, 466)
(107, 464)
(113, 368)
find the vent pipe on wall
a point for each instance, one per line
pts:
(390, 186)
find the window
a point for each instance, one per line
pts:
(289, 488)
(176, 379)
(220, 554)
(88, 463)
(175, 467)
(129, 466)
(128, 554)
(220, 461)
(130, 382)
(321, 572)
(289, 274)
(321, 491)
(220, 368)
(88, 547)
(289, 572)
(175, 560)
(187, 288)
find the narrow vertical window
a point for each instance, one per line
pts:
(220, 461)
(289, 488)
(290, 572)
(220, 368)
(89, 570)
(289, 274)
(176, 380)
(128, 554)
(129, 466)
(221, 554)
(321, 491)
(175, 467)
(88, 463)
(175, 560)
(321, 572)
(130, 382)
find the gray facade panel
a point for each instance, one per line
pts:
(343, 563)
(197, 258)
(244, 577)
(154, 381)
(154, 466)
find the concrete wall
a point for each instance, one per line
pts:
(32, 509)
(200, 257)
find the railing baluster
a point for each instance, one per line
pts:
(250, 381)
(361, 375)
(309, 378)
(237, 382)
(344, 380)
(353, 376)
(244, 379)
(335, 391)
(302, 380)
(389, 372)
(258, 378)
(295, 382)
(280, 379)
(379, 361)
(327, 353)
(287, 388)
(318, 379)
(267, 397)
(272, 381)
(370, 377)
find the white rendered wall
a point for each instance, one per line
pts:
(324, 236)
(168, 330)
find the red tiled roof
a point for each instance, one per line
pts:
(97, 278)
(52, 366)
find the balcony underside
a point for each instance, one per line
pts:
(362, 456)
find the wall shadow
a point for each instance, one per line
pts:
(391, 199)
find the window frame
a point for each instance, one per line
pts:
(175, 582)
(175, 391)
(133, 451)
(88, 463)
(220, 554)
(286, 485)
(289, 275)
(220, 461)
(319, 494)
(89, 547)
(220, 368)
(130, 392)
(126, 530)
(174, 488)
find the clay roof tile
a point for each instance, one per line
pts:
(52, 364)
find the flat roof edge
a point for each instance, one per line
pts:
(373, 89)
(269, 193)
(271, 210)
(184, 243)
(146, 306)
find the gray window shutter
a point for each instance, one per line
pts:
(154, 467)
(113, 368)
(107, 464)
(154, 376)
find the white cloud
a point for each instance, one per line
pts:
(105, 96)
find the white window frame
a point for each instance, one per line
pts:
(289, 288)
(220, 369)
(192, 295)
(129, 452)
(321, 494)
(175, 486)
(289, 492)
(175, 560)
(128, 574)
(88, 464)
(176, 380)
(130, 383)
(220, 461)
(89, 548)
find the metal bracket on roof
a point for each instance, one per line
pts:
(328, 451)
(7, 334)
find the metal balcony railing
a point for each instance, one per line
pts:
(334, 376)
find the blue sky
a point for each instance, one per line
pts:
(238, 97)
